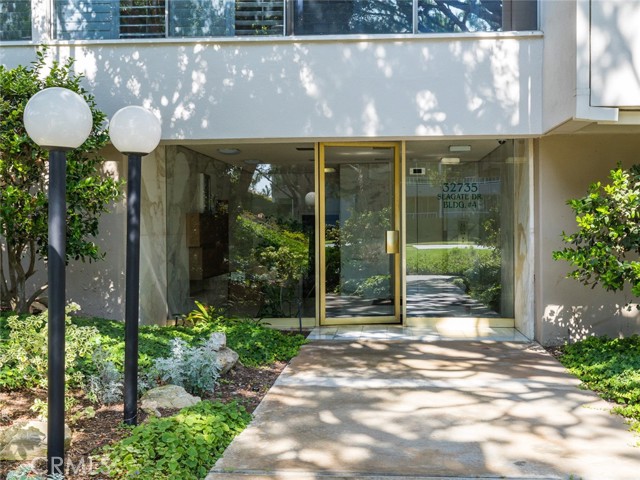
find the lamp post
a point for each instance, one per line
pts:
(135, 132)
(58, 120)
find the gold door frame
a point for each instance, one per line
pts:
(398, 149)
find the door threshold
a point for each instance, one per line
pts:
(460, 322)
(416, 334)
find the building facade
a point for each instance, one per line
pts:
(341, 162)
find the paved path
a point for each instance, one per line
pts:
(413, 410)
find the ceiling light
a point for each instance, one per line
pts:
(252, 161)
(450, 160)
(329, 170)
(459, 148)
(229, 151)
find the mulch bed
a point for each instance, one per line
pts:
(245, 384)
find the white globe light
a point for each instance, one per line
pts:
(135, 129)
(310, 199)
(58, 118)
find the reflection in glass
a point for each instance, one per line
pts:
(15, 20)
(339, 17)
(201, 18)
(249, 235)
(359, 274)
(444, 16)
(460, 237)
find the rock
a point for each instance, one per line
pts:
(217, 340)
(226, 359)
(27, 440)
(166, 396)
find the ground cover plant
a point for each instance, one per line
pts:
(182, 446)
(95, 359)
(610, 367)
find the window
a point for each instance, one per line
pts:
(241, 231)
(321, 17)
(142, 18)
(15, 20)
(100, 19)
(441, 16)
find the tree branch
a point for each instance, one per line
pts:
(39, 291)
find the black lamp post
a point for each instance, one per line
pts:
(57, 119)
(135, 132)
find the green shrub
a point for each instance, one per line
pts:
(23, 360)
(4, 328)
(377, 286)
(483, 279)
(183, 446)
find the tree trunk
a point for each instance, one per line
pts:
(14, 288)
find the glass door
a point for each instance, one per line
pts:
(359, 226)
(460, 220)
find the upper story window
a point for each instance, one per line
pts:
(15, 20)
(396, 16)
(128, 19)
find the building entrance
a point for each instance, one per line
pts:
(359, 233)
(345, 233)
(460, 232)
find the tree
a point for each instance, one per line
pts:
(605, 250)
(24, 182)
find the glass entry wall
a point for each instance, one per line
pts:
(359, 233)
(459, 230)
(241, 230)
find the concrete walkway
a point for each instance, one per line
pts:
(429, 410)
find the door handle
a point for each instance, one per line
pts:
(393, 242)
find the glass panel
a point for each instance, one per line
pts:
(142, 18)
(442, 16)
(326, 17)
(15, 20)
(359, 210)
(86, 20)
(460, 220)
(201, 18)
(259, 17)
(241, 236)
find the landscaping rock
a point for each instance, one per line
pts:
(167, 396)
(217, 340)
(226, 359)
(27, 440)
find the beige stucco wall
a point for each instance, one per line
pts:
(99, 287)
(564, 167)
(615, 53)
(558, 22)
(322, 87)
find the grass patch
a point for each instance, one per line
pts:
(444, 261)
(610, 367)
